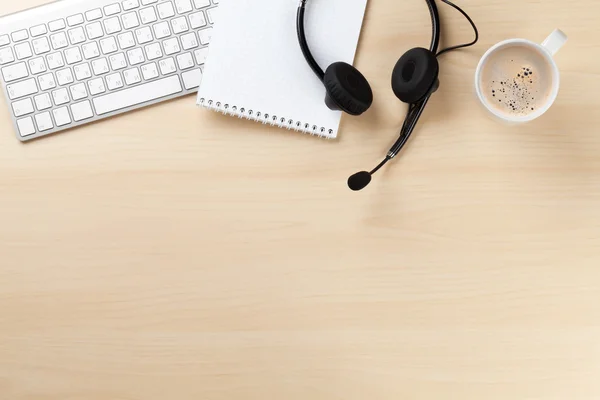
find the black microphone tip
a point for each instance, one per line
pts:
(359, 181)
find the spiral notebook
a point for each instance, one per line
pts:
(255, 68)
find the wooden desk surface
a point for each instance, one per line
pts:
(205, 258)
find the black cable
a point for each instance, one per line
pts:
(460, 46)
(381, 164)
(304, 44)
(414, 114)
(435, 25)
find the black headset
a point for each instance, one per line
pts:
(414, 80)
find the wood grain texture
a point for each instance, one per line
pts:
(201, 257)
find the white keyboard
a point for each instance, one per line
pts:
(73, 62)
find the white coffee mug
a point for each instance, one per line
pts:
(548, 49)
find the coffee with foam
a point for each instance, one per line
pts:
(516, 80)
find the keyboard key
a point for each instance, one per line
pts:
(42, 101)
(37, 65)
(26, 126)
(189, 41)
(82, 71)
(20, 35)
(4, 40)
(183, 6)
(112, 9)
(38, 30)
(76, 19)
(153, 51)
(108, 45)
(137, 95)
(130, 20)
(59, 40)
(6, 56)
(197, 20)
(57, 25)
(73, 55)
(90, 50)
(201, 55)
(14, 72)
(167, 66)
(146, 2)
(126, 40)
(114, 81)
(201, 3)
(135, 56)
(94, 30)
(185, 61)
(117, 61)
(210, 14)
(132, 76)
(61, 116)
(23, 51)
(61, 96)
(22, 107)
(112, 25)
(130, 4)
(148, 15)
(44, 121)
(93, 15)
(47, 81)
(205, 35)
(41, 45)
(55, 60)
(162, 30)
(82, 111)
(64, 76)
(192, 78)
(78, 91)
(144, 35)
(179, 25)
(150, 71)
(100, 66)
(76, 35)
(96, 86)
(165, 10)
(171, 46)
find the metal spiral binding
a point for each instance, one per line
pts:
(266, 118)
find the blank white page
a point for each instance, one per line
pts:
(256, 70)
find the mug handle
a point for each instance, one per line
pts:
(555, 41)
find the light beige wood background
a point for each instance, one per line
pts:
(173, 253)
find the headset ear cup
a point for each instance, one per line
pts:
(347, 89)
(415, 75)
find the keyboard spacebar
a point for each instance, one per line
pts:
(137, 95)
